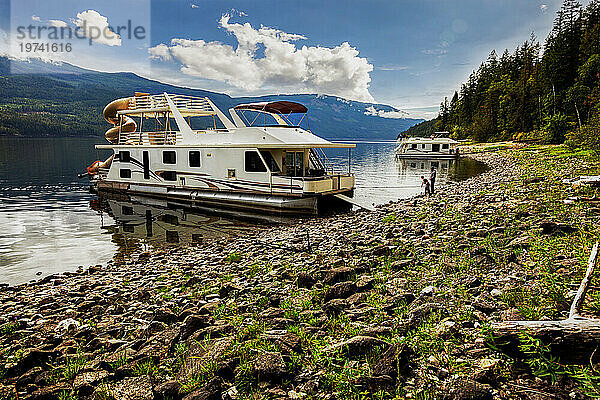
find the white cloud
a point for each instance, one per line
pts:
(52, 22)
(195, 6)
(5, 50)
(372, 111)
(544, 8)
(434, 52)
(95, 26)
(285, 67)
(426, 113)
(392, 68)
(57, 23)
(160, 52)
(11, 50)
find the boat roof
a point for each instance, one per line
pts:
(274, 107)
(428, 140)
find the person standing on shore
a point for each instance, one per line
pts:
(425, 182)
(432, 177)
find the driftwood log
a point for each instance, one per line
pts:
(593, 200)
(584, 180)
(576, 340)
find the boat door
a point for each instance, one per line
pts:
(294, 163)
(435, 147)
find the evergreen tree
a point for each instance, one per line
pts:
(521, 93)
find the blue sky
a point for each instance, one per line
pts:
(408, 54)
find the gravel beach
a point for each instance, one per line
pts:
(395, 303)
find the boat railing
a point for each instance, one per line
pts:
(321, 157)
(160, 137)
(159, 101)
(296, 184)
(103, 173)
(151, 138)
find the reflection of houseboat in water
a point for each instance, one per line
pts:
(159, 221)
(454, 169)
(415, 166)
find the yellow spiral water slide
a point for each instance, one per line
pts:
(111, 115)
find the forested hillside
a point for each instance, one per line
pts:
(545, 93)
(43, 99)
(422, 129)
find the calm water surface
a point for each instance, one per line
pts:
(51, 223)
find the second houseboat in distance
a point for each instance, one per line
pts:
(439, 145)
(183, 147)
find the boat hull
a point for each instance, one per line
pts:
(425, 156)
(254, 202)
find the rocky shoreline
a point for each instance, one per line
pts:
(394, 303)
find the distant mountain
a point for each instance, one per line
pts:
(43, 99)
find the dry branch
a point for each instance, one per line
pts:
(575, 340)
(580, 296)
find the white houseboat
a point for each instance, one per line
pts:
(437, 146)
(260, 160)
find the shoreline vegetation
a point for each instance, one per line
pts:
(395, 303)
(541, 92)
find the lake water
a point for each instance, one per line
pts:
(50, 222)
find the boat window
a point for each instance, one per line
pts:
(194, 158)
(299, 163)
(422, 146)
(126, 210)
(125, 173)
(445, 146)
(414, 146)
(124, 156)
(169, 175)
(271, 163)
(253, 163)
(169, 157)
(169, 219)
(289, 163)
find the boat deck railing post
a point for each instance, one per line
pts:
(349, 159)
(141, 126)
(120, 125)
